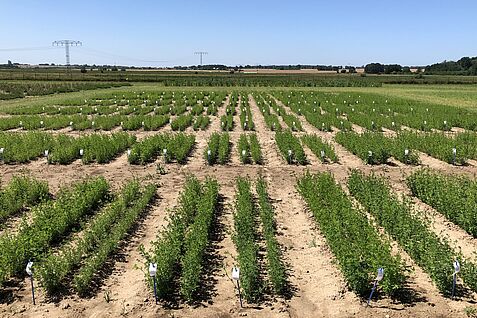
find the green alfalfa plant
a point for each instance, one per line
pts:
(243, 148)
(245, 241)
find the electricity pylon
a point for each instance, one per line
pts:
(67, 44)
(201, 54)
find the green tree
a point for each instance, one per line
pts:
(392, 68)
(465, 62)
(374, 68)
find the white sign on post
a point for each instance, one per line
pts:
(29, 268)
(456, 267)
(380, 275)
(152, 269)
(235, 273)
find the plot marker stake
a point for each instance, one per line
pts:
(29, 270)
(376, 281)
(236, 277)
(152, 273)
(454, 276)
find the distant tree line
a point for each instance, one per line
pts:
(464, 66)
(9, 65)
(334, 68)
(378, 68)
(222, 67)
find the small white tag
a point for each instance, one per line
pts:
(380, 274)
(456, 267)
(235, 273)
(29, 268)
(152, 269)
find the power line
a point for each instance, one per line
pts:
(125, 57)
(38, 48)
(89, 51)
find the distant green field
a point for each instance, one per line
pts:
(454, 95)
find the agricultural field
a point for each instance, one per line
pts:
(308, 191)
(20, 89)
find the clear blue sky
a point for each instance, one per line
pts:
(165, 33)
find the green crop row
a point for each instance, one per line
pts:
(11, 90)
(127, 101)
(21, 148)
(356, 244)
(440, 146)
(201, 122)
(390, 112)
(21, 192)
(197, 240)
(227, 120)
(246, 119)
(314, 114)
(453, 196)
(245, 239)
(218, 149)
(167, 250)
(290, 147)
(81, 123)
(290, 120)
(171, 146)
(110, 243)
(181, 122)
(249, 149)
(184, 240)
(197, 109)
(375, 148)
(323, 150)
(55, 268)
(271, 119)
(50, 223)
(276, 267)
(97, 147)
(432, 253)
